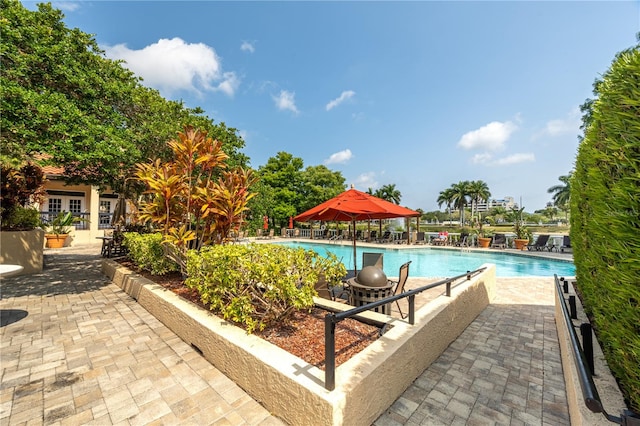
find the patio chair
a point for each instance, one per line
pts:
(386, 237)
(540, 244)
(403, 275)
(441, 240)
(403, 238)
(373, 235)
(373, 259)
(464, 240)
(566, 244)
(499, 241)
(339, 294)
(420, 238)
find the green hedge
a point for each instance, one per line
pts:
(605, 218)
(147, 252)
(259, 284)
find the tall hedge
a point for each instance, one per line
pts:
(605, 218)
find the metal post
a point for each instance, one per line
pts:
(412, 309)
(565, 285)
(329, 352)
(448, 289)
(587, 345)
(572, 307)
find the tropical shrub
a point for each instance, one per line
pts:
(605, 218)
(193, 199)
(146, 251)
(259, 284)
(22, 186)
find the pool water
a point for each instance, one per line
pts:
(427, 262)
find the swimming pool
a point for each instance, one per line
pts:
(428, 262)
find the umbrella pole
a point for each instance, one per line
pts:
(355, 266)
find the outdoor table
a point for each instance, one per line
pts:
(362, 294)
(7, 270)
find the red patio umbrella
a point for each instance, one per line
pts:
(265, 224)
(290, 222)
(351, 206)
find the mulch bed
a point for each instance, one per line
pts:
(302, 335)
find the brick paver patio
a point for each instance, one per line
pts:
(86, 353)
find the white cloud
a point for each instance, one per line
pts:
(481, 158)
(491, 136)
(174, 65)
(340, 157)
(344, 96)
(569, 124)
(365, 181)
(68, 6)
(247, 47)
(523, 157)
(286, 101)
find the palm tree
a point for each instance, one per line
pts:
(478, 191)
(389, 193)
(562, 193)
(446, 197)
(460, 194)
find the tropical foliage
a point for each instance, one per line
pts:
(387, 192)
(194, 199)
(259, 284)
(605, 218)
(460, 194)
(147, 252)
(22, 186)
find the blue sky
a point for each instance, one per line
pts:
(417, 94)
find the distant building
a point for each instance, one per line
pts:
(507, 202)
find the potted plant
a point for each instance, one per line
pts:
(58, 229)
(484, 237)
(523, 234)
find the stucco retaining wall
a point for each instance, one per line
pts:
(292, 389)
(22, 248)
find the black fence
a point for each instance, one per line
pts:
(331, 319)
(104, 220)
(583, 357)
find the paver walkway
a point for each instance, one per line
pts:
(504, 369)
(86, 353)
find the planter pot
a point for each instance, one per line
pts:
(56, 240)
(520, 243)
(484, 242)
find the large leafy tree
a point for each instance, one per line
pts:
(62, 97)
(319, 184)
(282, 177)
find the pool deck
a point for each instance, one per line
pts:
(88, 354)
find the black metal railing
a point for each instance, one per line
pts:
(332, 318)
(104, 219)
(583, 357)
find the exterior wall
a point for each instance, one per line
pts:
(366, 385)
(91, 205)
(22, 248)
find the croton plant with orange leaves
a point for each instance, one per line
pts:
(194, 199)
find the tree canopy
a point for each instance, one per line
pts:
(292, 189)
(61, 96)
